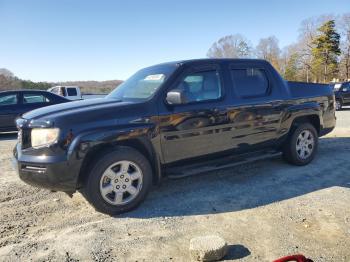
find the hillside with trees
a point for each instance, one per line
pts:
(320, 54)
(8, 81)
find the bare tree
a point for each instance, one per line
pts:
(290, 62)
(345, 46)
(231, 46)
(269, 50)
(307, 34)
(5, 72)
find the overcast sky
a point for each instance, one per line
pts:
(102, 40)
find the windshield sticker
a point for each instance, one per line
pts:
(156, 77)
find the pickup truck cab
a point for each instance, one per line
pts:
(173, 119)
(342, 94)
(68, 92)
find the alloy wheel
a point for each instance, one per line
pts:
(305, 144)
(121, 182)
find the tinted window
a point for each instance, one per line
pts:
(72, 92)
(34, 98)
(250, 82)
(201, 86)
(8, 99)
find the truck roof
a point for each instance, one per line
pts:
(216, 60)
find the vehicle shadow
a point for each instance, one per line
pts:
(8, 136)
(236, 252)
(249, 186)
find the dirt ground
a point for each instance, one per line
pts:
(264, 210)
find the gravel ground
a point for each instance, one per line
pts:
(264, 210)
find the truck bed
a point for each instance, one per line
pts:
(303, 89)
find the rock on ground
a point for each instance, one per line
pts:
(208, 248)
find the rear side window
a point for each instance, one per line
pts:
(72, 92)
(250, 82)
(8, 100)
(34, 98)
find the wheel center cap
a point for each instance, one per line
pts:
(122, 182)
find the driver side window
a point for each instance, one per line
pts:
(201, 86)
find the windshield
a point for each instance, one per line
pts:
(143, 84)
(337, 87)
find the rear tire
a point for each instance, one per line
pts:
(301, 146)
(119, 181)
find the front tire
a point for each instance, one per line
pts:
(119, 181)
(301, 147)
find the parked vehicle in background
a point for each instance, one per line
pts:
(69, 92)
(342, 94)
(175, 119)
(92, 96)
(17, 102)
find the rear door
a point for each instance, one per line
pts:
(257, 108)
(9, 110)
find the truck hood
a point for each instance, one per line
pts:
(74, 108)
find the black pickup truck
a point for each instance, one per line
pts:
(342, 95)
(174, 119)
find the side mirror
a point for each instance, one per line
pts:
(175, 97)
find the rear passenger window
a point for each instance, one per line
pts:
(34, 98)
(72, 92)
(250, 82)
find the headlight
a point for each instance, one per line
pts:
(44, 136)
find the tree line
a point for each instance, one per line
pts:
(8, 81)
(320, 54)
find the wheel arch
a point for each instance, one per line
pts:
(95, 149)
(309, 112)
(313, 119)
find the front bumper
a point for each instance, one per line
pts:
(55, 173)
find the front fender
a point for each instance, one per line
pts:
(93, 141)
(84, 141)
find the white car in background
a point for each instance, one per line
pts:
(69, 92)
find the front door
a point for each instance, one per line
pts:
(345, 89)
(194, 128)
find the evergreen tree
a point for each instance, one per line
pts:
(325, 52)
